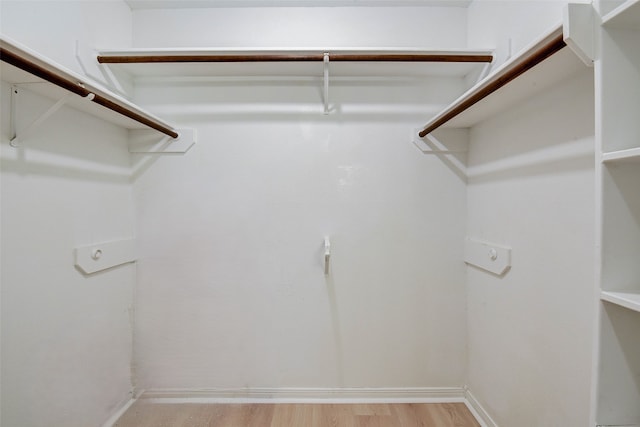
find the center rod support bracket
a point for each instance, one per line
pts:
(326, 83)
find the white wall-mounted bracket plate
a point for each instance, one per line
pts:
(487, 256)
(100, 256)
(145, 141)
(578, 29)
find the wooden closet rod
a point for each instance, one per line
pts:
(497, 81)
(79, 89)
(315, 57)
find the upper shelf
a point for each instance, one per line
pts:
(630, 300)
(631, 155)
(540, 65)
(627, 15)
(344, 62)
(21, 65)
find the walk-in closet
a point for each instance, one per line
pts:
(313, 213)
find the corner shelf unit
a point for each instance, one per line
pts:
(617, 362)
(24, 67)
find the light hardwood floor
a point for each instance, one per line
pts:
(148, 414)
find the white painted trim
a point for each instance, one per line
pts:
(309, 395)
(285, 50)
(578, 30)
(182, 4)
(116, 415)
(314, 395)
(478, 411)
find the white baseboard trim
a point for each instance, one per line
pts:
(315, 395)
(478, 410)
(309, 395)
(116, 415)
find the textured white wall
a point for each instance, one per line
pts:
(66, 338)
(231, 286)
(52, 27)
(231, 290)
(531, 187)
(431, 27)
(509, 25)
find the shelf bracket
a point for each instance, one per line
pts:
(483, 73)
(326, 83)
(146, 141)
(86, 58)
(432, 145)
(16, 138)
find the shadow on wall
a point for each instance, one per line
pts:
(302, 100)
(580, 159)
(21, 166)
(69, 145)
(450, 146)
(534, 139)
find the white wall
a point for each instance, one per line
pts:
(531, 187)
(430, 27)
(66, 337)
(510, 25)
(53, 27)
(231, 290)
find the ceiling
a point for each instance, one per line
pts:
(182, 4)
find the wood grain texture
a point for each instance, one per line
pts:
(318, 57)
(144, 413)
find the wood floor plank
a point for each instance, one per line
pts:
(408, 416)
(260, 415)
(145, 413)
(375, 421)
(371, 409)
(337, 415)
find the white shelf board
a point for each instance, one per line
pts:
(296, 69)
(547, 73)
(630, 300)
(631, 155)
(14, 75)
(627, 15)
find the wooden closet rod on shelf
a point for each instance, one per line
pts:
(279, 57)
(78, 88)
(496, 81)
